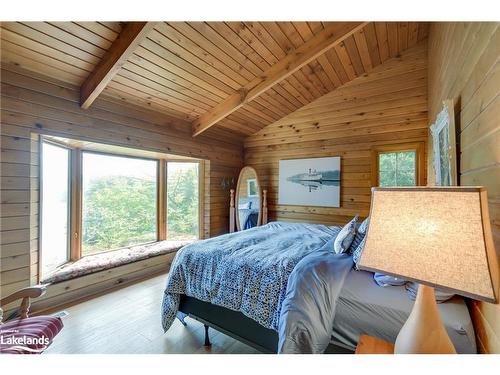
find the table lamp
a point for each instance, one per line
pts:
(437, 237)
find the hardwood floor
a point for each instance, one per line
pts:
(127, 321)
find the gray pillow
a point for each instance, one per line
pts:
(360, 234)
(345, 237)
(356, 254)
(441, 295)
(386, 280)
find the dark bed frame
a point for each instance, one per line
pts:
(237, 326)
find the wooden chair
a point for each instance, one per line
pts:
(40, 330)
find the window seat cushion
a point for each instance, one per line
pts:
(111, 259)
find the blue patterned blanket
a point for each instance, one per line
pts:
(246, 271)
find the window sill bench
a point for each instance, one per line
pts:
(111, 259)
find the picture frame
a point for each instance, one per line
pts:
(312, 182)
(252, 188)
(444, 146)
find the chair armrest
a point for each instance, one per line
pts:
(25, 294)
(29, 292)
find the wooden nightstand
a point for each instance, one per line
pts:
(372, 345)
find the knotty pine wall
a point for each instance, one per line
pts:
(33, 104)
(464, 66)
(386, 106)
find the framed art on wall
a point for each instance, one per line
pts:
(444, 149)
(252, 188)
(310, 182)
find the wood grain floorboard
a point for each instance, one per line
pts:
(127, 321)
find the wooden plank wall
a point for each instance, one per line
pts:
(464, 66)
(385, 106)
(32, 104)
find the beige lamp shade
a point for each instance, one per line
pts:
(438, 236)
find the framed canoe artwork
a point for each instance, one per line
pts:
(310, 182)
(444, 148)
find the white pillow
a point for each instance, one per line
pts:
(364, 226)
(245, 206)
(345, 237)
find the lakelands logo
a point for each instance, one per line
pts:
(23, 343)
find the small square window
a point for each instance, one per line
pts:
(397, 168)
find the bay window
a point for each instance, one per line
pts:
(97, 198)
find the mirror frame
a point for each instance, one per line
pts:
(259, 218)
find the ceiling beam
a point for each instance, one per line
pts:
(303, 55)
(117, 55)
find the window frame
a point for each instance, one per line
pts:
(417, 147)
(75, 190)
(79, 226)
(41, 192)
(201, 193)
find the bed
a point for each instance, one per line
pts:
(365, 308)
(280, 289)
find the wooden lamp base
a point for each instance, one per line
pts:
(424, 332)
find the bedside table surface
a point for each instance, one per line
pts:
(372, 345)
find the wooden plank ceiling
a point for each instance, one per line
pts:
(186, 69)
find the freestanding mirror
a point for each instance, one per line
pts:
(249, 206)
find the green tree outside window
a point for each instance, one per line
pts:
(182, 201)
(397, 168)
